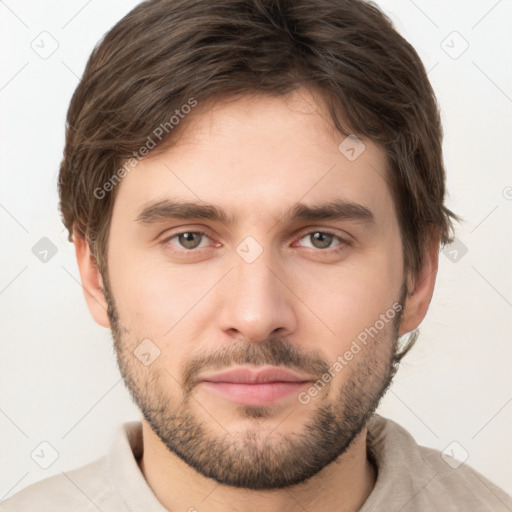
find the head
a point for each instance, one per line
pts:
(256, 183)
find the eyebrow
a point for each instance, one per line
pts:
(337, 209)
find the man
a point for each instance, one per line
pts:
(255, 191)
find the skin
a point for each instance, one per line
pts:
(298, 305)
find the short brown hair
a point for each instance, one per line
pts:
(166, 52)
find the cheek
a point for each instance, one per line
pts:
(347, 311)
(150, 295)
(151, 308)
(344, 301)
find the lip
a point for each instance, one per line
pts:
(259, 387)
(264, 374)
(255, 394)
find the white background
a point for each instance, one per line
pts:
(58, 378)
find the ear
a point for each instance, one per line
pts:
(420, 290)
(92, 282)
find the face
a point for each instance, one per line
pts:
(300, 268)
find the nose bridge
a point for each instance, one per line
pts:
(255, 302)
(252, 268)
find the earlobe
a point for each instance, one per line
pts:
(92, 282)
(420, 291)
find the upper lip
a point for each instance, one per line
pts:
(246, 375)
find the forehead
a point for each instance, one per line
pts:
(257, 155)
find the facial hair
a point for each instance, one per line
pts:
(252, 460)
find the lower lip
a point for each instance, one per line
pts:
(255, 394)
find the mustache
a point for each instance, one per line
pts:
(275, 352)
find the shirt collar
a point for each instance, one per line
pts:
(401, 470)
(125, 472)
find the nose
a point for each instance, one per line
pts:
(256, 301)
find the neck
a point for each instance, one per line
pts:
(343, 485)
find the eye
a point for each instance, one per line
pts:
(323, 240)
(187, 239)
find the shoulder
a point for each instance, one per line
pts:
(414, 478)
(463, 487)
(82, 489)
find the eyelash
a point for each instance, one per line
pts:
(335, 250)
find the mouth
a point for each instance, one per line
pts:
(255, 394)
(257, 387)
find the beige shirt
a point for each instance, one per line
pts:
(411, 478)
